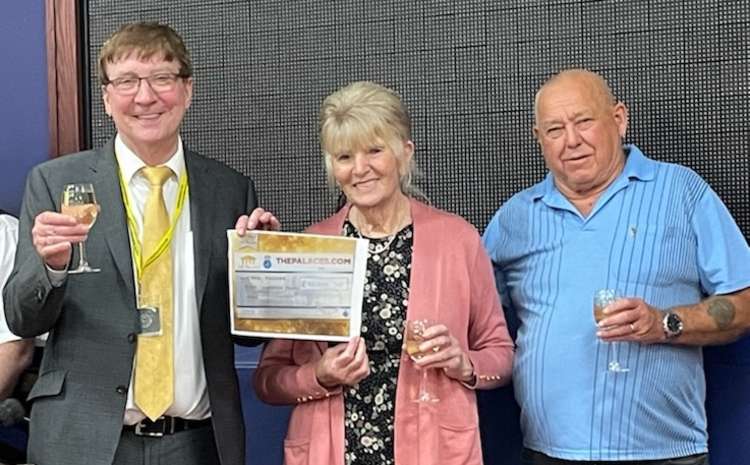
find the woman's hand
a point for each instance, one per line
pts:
(440, 349)
(345, 364)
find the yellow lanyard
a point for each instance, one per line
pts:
(166, 239)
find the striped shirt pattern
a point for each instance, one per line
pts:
(659, 233)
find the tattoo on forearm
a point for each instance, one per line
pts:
(722, 311)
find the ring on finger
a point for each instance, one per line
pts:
(436, 349)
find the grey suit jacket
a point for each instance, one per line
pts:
(79, 399)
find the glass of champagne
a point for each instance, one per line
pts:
(79, 201)
(413, 336)
(602, 298)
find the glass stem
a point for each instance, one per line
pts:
(423, 385)
(82, 262)
(614, 352)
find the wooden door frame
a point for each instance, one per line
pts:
(64, 79)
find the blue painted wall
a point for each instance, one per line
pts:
(728, 402)
(265, 425)
(24, 133)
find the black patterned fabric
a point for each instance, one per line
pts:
(369, 406)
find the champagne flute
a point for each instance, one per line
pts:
(79, 201)
(602, 298)
(413, 336)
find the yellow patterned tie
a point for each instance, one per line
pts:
(154, 359)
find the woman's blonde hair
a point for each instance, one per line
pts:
(358, 114)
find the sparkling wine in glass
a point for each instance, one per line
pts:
(413, 337)
(79, 201)
(602, 298)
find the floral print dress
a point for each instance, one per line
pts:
(370, 405)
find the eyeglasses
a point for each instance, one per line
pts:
(160, 82)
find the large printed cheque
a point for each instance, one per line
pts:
(296, 286)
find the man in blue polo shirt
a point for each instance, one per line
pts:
(608, 217)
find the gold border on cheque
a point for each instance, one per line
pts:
(296, 286)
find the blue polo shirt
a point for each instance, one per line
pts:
(658, 232)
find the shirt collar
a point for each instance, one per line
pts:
(130, 163)
(637, 166)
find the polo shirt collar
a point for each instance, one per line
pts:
(637, 167)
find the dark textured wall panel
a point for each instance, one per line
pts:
(468, 70)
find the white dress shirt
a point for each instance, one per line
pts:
(190, 393)
(8, 242)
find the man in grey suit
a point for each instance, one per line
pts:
(85, 409)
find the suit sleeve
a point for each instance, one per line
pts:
(280, 381)
(32, 304)
(490, 345)
(251, 202)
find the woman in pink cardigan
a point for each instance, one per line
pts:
(354, 402)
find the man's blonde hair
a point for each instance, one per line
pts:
(147, 39)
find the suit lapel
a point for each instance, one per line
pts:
(112, 218)
(201, 218)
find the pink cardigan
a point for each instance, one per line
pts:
(451, 282)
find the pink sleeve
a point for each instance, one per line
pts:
(490, 346)
(279, 380)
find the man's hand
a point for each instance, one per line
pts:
(633, 320)
(54, 234)
(258, 219)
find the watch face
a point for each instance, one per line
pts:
(674, 324)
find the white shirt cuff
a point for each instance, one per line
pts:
(56, 277)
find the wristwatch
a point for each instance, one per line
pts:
(672, 325)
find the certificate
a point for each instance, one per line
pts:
(296, 286)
